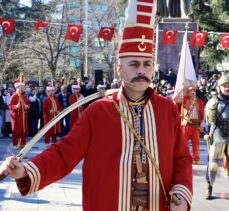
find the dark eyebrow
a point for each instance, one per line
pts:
(133, 61)
(136, 61)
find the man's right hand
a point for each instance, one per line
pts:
(13, 168)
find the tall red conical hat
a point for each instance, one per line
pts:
(138, 31)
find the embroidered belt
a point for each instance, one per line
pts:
(193, 123)
(140, 194)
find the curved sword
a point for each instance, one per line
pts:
(57, 118)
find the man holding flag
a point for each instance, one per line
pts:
(191, 108)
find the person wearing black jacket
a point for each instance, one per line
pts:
(34, 112)
(63, 98)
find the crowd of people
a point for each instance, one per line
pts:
(36, 96)
(162, 83)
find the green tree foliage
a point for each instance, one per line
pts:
(37, 11)
(212, 16)
(9, 8)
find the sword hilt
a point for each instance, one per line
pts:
(18, 158)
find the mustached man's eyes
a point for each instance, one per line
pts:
(148, 64)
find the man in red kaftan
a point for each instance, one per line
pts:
(19, 105)
(74, 97)
(51, 107)
(192, 113)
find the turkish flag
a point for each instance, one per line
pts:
(73, 32)
(106, 33)
(7, 25)
(39, 25)
(198, 38)
(224, 40)
(169, 37)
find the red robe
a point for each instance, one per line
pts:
(19, 116)
(47, 107)
(193, 133)
(75, 114)
(102, 139)
(199, 107)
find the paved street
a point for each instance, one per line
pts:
(66, 193)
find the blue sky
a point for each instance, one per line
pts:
(25, 2)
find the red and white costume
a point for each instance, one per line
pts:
(19, 117)
(51, 107)
(191, 130)
(105, 142)
(76, 113)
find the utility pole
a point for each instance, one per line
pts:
(81, 43)
(86, 38)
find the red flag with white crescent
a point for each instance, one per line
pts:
(7, 25)
(169, 37)
(39, 25)
(106, 33)
(73, 32)
(224, 40)
(198, 39)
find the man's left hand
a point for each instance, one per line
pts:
(183, 206)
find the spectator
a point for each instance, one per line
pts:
(6, 113)
(41, 95)
(63, 98)
(158, 73)
(34, 112)
(83, 85)
(171, 76)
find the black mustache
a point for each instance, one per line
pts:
(140, 78)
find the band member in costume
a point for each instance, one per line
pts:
(51, 107)
(74, 97)
(217, 114)
(112, 136)
(19, 105)
(192, 112)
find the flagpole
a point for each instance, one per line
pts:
(86, 39)
(185, 38)
(185, 47)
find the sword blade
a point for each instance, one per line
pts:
(57, 118)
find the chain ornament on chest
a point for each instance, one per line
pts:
(137, 114)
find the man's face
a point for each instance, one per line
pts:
(203, 82)
(20, 89)
(41, 89)
(136, 73)
(64, 90)
(191, 92)
(50, 92)
(224, 88)
(75, 90)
